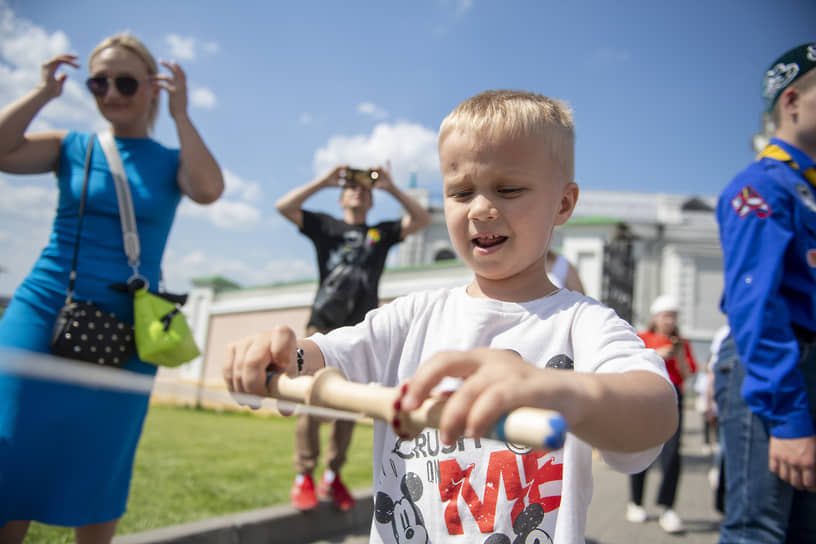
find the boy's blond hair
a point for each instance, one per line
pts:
(128, 41)
(511, 114)
(803, 84)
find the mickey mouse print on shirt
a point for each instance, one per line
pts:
(499, 492)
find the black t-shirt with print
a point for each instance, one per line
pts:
(362, 246)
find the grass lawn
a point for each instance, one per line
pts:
(196, 464)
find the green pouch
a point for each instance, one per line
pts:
(161, 331)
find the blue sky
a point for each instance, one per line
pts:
(665, 97)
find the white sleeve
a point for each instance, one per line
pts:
(364, 351)
(631, 463)
(605, 343)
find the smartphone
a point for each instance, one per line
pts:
(367, 178)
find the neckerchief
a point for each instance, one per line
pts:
(773, 151)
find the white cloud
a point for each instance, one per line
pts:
(27, 201)
(372, 110)
(409, 147)
(19, 249)
(224, 213)
(187, 47)
(27, 210)
(27, 44)
(202, 97)
(180, 269)
(181, 48)
(305, 119)
(282, 270)
(235, 186)
(463, 6)
(23, 48)
(235, 210)
(460, 9)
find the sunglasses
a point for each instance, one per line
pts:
(99, 86)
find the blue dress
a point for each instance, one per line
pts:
(66, 452)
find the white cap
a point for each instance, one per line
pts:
(664, 303)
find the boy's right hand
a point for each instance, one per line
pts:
(496, 382)
(249, 360)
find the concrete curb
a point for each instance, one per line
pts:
(279, 524)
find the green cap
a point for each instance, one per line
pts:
(785, 70)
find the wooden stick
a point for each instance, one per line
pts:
(531, 427)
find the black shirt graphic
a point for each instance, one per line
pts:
(361, 246)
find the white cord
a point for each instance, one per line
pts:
(44, 367)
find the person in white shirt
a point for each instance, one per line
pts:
(562, 273)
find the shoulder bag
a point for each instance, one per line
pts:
(83, 331)
(161, 332)
(338, 294)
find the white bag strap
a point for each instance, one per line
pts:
(130, 235)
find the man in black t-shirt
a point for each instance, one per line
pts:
(350, 257)
(358, 252)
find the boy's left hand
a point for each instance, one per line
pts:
(495, 382)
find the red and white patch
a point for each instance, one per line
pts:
(747, 201)
(811, 258)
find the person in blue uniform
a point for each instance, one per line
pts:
(767, 406)
(66, 453)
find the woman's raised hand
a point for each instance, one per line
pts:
(51, 82)
(176, 86)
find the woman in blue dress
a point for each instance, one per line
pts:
(66, 453)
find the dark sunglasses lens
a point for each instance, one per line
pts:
(97, 85)
(126, 85)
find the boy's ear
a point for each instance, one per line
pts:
(569, 198)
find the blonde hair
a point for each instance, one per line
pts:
(519, 113)
(803, 84)
(128, 41)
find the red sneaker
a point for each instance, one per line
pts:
(303, 496)
(337, 492)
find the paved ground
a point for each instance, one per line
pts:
(606, 523)
(694, 503)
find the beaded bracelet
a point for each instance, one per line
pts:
(299, 353)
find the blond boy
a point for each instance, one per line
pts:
(507, 169)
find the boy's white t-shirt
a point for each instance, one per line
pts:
(478, 490)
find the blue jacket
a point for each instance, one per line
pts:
(767, 219)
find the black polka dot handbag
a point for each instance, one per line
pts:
(82, 330)
(86, 333)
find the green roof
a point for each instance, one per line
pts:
(594, 220)
(219, 283)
